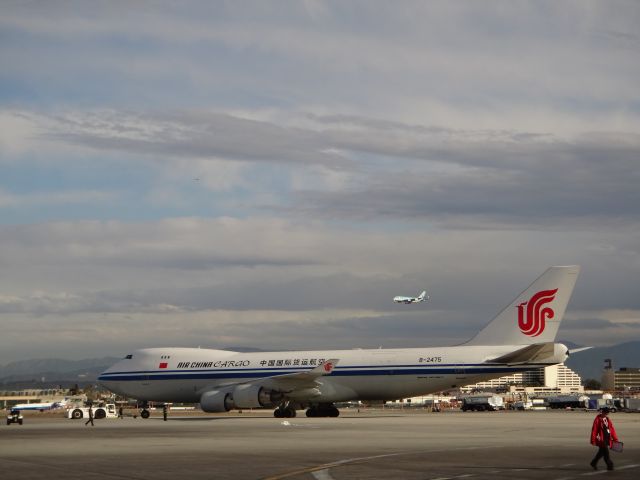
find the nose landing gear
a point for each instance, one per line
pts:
(144, 413)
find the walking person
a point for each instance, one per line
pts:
(603, 434)
(120, 412)
(90, 417)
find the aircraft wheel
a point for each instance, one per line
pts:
(77, 414)
(145, 414)
(290, 412)
(278, 413)
(333, 412)
(311, 412)
(20, 421)
(8, 422)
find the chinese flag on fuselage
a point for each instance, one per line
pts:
(163, 365)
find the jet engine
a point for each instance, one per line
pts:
(216, 401)
(255, 396)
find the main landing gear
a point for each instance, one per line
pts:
(286, 410)
(323, 410)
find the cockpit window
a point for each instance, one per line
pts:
(129, 357)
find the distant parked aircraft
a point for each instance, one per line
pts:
(38, 406)
(420, 298)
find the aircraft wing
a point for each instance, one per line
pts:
(298, 381)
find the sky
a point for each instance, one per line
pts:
(270, 174)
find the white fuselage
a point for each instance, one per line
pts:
(184, 374)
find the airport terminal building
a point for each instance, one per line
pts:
(557, 378)
(624, 379)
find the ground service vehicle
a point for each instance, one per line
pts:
(481, 404)
(104, 411)
(568, 401)
(14, 416)
(522, 405)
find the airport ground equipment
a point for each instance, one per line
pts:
(568, 401)
(632, 404)
(106, 411)
(482, 403)
(14, 416)
(598, 403)
(522, 405)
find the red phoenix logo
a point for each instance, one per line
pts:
(328, 367)
(534, 323)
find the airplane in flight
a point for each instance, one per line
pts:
(521, 337)
(420, 298)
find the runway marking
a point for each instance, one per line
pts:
(467, 475)
(321, 472)
(327, 466)
(346, 461)
(600, 472)
(322, 475)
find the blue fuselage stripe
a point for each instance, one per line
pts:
(343, 372)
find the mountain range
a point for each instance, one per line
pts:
(590, 363)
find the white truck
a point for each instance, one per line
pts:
(103, 411)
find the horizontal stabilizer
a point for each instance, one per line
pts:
(577, 350)
(528, 354)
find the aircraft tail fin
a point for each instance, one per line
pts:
(535, 315)
(423, 296)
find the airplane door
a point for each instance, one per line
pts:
(460, 376)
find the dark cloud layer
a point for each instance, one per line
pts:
(461, 177)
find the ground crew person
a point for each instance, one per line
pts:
(90, 417)
(603, 434)
(164, 412)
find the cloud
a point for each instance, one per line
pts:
(193, 134)
(65, 197)
(505, 179)
(195, 174)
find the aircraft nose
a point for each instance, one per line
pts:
(108, 380)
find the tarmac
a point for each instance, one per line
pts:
(373, 444)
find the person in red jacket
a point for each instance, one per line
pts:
(603, 434)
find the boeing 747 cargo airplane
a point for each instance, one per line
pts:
(521, 337)
(420, 298)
